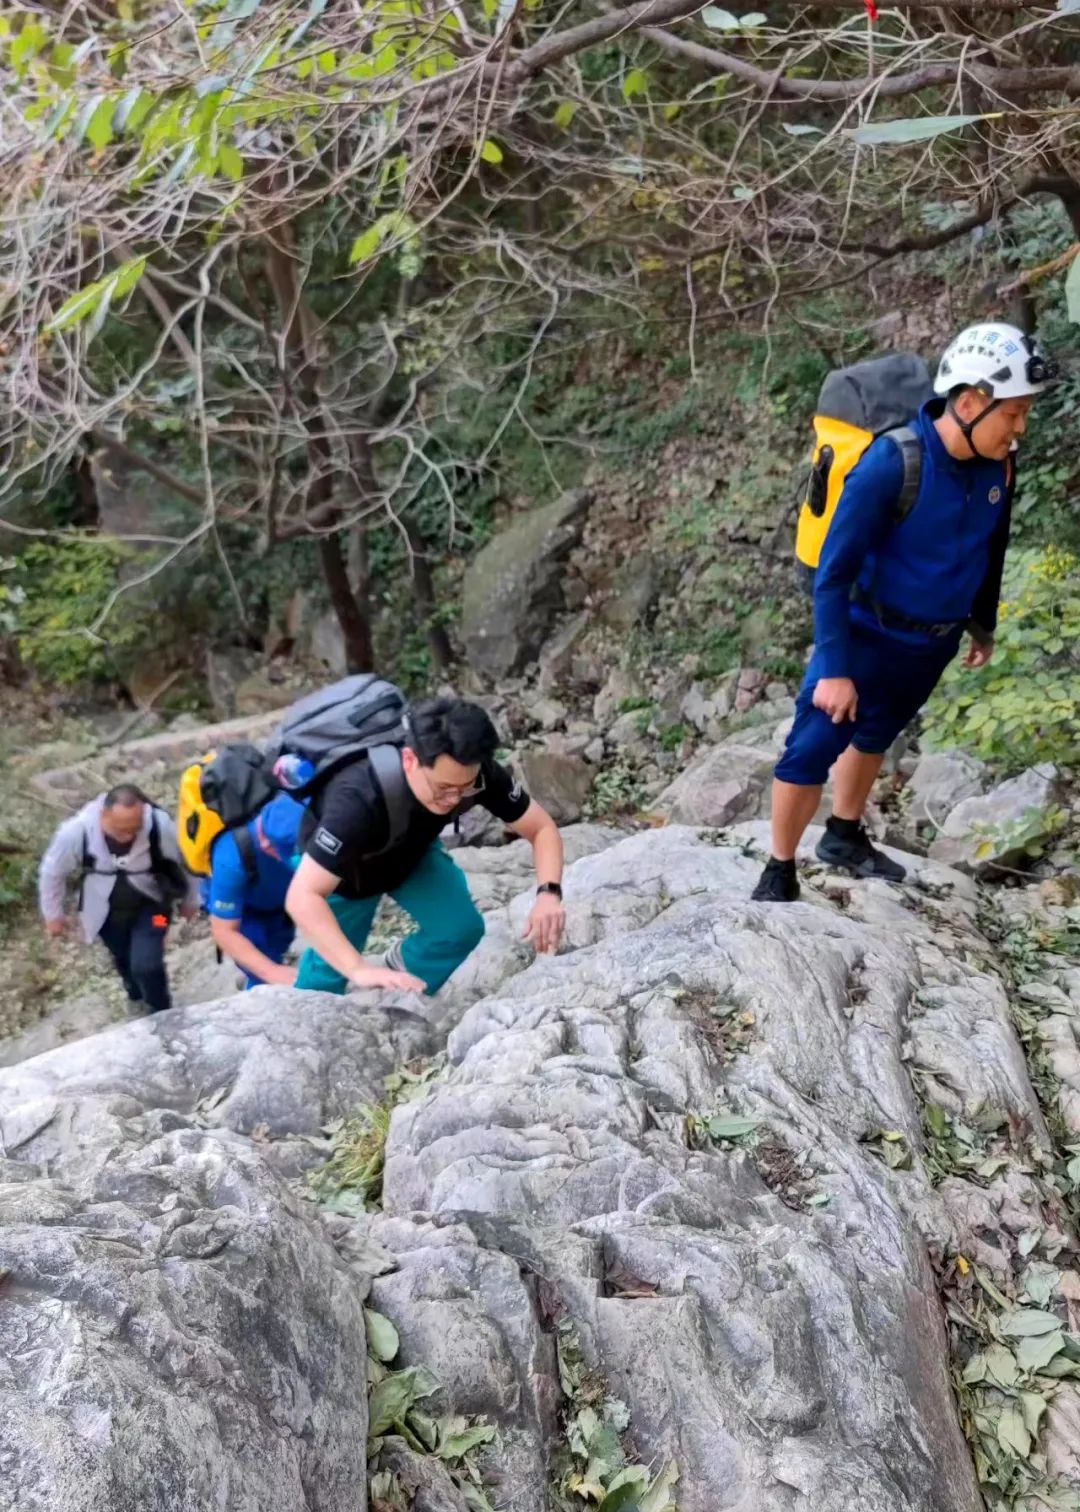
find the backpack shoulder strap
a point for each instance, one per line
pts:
(169, 874)
(246, 846)
(156, 859)
(385, 762)
(86, 866)
(907, 442)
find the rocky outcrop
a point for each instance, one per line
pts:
(513, 588)
(998, 830)
(692, 1145)
(177, 1329)
(722, 784)
(558, 780)
(940, 781)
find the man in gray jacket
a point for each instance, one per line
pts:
(123, 854)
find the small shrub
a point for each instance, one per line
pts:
(617, 789)
(1025, 706)
(63, 589)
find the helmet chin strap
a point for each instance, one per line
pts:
(966, 427)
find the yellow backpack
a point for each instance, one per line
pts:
(221, 791)
(857, 404)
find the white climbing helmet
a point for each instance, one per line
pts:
(998, 359)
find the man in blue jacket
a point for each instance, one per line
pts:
(251, 870)
(893, 597)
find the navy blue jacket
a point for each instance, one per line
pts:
(943, 562)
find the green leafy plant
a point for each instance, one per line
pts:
(722, 1128)
(594, 1467)
(65, 587)
(395, 1410)
(351, 1180)
(955, 1147)
(1025, 706)
(617, 789)
(672, 736)
(1028, 833)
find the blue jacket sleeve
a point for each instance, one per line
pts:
(863, 514)
(984, 611)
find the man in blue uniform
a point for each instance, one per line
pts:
(893, 597)
(252, 867)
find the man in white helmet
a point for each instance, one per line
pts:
(895, 592)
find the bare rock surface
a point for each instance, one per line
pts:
(180, 1329)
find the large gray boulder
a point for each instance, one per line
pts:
(561, 782)
(941, 781)
(513, 588)
(722, 784)
(766, 1346)
(177, 1328)
(988, 834)
(185, 1333)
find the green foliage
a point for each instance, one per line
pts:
(19, 856)
(959, 1147)
(910, 129)
(1025, 706)
(66, 586)
(351, 1180)
(94, 301)
(396, 1401)
(722, 1128)
(595, 1466)
(1027, 833)
(12, 596)
(617, 789)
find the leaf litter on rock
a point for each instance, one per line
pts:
(395, 1410)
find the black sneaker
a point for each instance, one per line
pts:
(778, 883)
(853, 853)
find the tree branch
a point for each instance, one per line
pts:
(576, 39)
(148, 465)
(929, 241)
(983, 7)
(1062, 80)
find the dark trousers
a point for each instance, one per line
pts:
(136, 943)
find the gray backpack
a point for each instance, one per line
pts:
(358, 718)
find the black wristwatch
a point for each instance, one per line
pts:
(554, 888)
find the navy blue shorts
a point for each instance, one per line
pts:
(893, 680)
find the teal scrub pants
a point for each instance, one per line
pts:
(437, 896)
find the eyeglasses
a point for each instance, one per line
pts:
(444, 790)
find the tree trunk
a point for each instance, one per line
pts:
(355, 624)
(301, 345)
(442, 654)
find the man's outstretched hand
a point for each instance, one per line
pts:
(389, 981)
(546, 923)
(836, 696)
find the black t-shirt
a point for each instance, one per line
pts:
(125, 900)
(350, 821)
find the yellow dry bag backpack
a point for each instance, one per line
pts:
(856, 405)
(221, 791)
